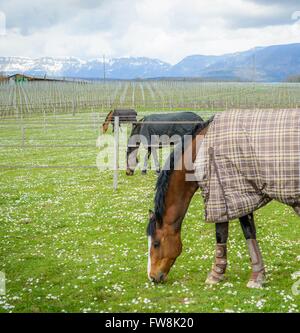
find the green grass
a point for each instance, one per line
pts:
(69, 243)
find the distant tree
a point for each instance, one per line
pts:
(293, 78)
(3, 76)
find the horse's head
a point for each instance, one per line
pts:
(164, 245)
(132, 160)
(132, 150)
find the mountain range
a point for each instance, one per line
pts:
(266, 64)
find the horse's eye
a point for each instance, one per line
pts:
(156, 244)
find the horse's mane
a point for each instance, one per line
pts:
(136, 128)
(109, 114)
(163, 181)
(137, 125)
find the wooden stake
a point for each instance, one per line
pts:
(116, 155)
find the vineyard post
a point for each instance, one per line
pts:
(116, 152)
(44, 112)
(23, 136)
(95, 119)
(73, 107)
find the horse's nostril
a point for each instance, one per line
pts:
(161, 277)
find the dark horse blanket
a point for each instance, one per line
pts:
(246, 159)
(166, 125)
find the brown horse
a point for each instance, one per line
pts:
(172, 199)
(126, 116)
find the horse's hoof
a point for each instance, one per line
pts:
(158, 172)
(144, 172)
(257, 280)
(212, 279)
(254, 284)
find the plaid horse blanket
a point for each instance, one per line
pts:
(248, 158)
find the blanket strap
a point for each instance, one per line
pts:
(213, 161)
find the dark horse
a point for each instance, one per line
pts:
(155, 131)
(174, 193)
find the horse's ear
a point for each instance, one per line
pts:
(151, 214)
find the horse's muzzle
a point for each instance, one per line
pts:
(129, 172)
(161, 277)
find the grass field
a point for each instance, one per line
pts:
(69, 243)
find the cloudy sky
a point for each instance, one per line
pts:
(164, 29)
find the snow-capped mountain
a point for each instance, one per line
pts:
(273, 63)
(121, 68)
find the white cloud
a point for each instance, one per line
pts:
(165, 29)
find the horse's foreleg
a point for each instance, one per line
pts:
(257, 278)
(156, 162)
(217, 273)
(147, 156)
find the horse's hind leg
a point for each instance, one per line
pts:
(257, 278)
(217, 273)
